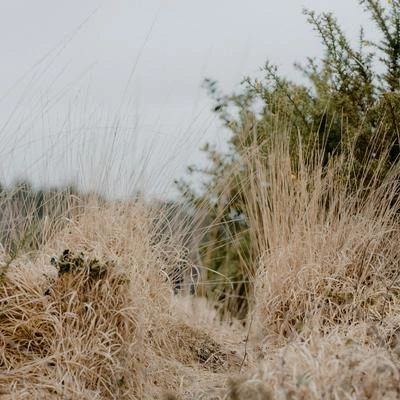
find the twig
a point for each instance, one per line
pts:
(245, 344)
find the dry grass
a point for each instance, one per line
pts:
(103, 322)
(327, 283)
(326, 256)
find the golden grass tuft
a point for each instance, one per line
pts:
(326, 285)
(102, 321)
(326, 255)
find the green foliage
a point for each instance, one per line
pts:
(349, 107)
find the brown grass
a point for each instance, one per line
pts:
(326, 287)
(103, 322)
(118, 333)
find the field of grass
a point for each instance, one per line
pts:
(87, 311)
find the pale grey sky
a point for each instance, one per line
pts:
(92, 90)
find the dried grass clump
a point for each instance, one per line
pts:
(351, 364)
(327, 255)
(339, 276)
(80, 332)
(194, 346)
(91, 315)
(67, 336)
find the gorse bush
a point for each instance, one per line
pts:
(349, 108)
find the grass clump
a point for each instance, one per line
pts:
(70, 336)
(101, 320)
(326, 255)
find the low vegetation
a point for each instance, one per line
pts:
(297, 229)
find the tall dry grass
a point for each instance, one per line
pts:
(327, 281)
(102, 321)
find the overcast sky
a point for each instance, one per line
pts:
(90, 91)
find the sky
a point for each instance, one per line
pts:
(108, 94)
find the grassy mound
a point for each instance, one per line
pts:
(90, 315)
